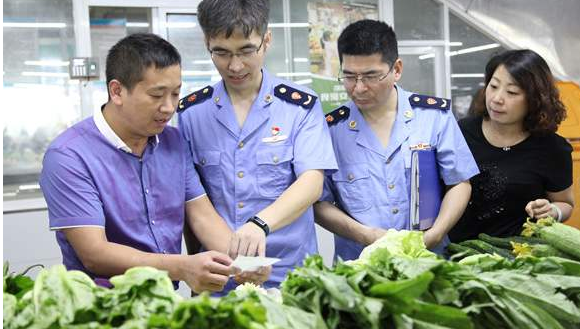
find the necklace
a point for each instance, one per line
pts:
(496, 139)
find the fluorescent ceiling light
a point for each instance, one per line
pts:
(199, 73)
(45, 74)
(301, 60)
(35, 25)
(364, 5)
(430, 55)
(455, 43)
(137, 24)
(180, 25)
(29, 187)
(289, 25)
(474, 49)
(468, 75)
(303, 82)
(294, 74)
(202, 61)
(46, 63)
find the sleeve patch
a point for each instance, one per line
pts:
(429, 102)
(194, 98)
(337, 115)
(295, 96)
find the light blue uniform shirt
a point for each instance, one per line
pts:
(373, 184)
(244, 170)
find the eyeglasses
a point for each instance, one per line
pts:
(245, 54)
(350, 80)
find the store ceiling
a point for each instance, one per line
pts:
(551, 28)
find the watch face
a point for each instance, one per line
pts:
(259, 221)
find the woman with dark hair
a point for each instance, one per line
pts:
(525, 167)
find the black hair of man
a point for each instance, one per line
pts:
(225, 17)
(368, 37)
(131, 56)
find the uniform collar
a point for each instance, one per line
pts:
(355, 118)
(106, 130)
(266, 94)
(405, 111)
(264, 98)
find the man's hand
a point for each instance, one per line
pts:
(372, 234)
(258, 277)
(432, 238)
(248, 240)
(540, 208)
(208, 270)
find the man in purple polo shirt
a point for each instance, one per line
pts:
(118, 184)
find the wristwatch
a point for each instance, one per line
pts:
(261, 224)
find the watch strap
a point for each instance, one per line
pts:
(260, 223)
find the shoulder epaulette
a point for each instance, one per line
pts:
(429, 102)
(195, 97)
(295, 96)
(337, 115)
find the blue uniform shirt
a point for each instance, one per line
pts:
(245, 169)
(373, 184)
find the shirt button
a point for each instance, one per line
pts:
(395, 211)
(164, 251)
(275, 159)
(152, 222)
(391, 186)
(203, 161)
(240, 145)
(240, 174)
(350, 177)
(146, 191)
(240, 205)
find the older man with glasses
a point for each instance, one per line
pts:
(374, 136)
(260, 144)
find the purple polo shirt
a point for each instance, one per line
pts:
(87, 180)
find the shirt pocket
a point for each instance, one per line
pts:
(274, 173)
(353, 185)
(209, 166)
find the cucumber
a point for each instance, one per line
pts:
(505, 243)
(487, 248)
(454, 248)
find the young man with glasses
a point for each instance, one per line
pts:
(373, 137)
(260, 143)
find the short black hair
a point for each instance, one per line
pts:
(226, 16)
(368, 37)
(128, 59)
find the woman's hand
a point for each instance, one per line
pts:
(541, 208)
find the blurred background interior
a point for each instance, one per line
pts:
(54, 52)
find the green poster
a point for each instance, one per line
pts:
(326, 21)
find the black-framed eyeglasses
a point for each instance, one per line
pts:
(245, 54)
(350, 80)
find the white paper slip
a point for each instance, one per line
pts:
(246, 263)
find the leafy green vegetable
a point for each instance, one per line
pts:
(397, 243)
(17, 284)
